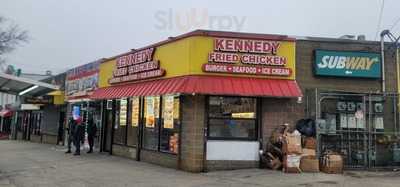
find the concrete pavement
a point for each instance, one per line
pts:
(29, 164)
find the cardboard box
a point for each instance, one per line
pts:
(291, 164)
(332, 163)
(309, 164)
(310, 143)
(308, 152)
(292, 143)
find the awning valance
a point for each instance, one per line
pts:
(23, 86)
(209, 85)
(6, 113)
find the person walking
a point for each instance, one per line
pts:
(71, 131)
(91, 130)
(79, 129)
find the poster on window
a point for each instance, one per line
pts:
(176, 108)
(122, 112)
(135, 112)
(76, 112)
(169, 112)
(150, 118)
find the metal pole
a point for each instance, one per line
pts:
(398, 87)
(383, 62)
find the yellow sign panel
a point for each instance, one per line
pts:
(204, 55)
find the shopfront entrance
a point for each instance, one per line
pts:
(106, 131)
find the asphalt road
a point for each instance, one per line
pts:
(30, 164)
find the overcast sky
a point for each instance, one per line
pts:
(69, 33)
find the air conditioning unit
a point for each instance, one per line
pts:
(360, 106)
(378, 108)
(351, 106)
(321, 126)
(341, 106)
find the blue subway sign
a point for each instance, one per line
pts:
(347, 64)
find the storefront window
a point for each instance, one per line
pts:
(120, 123)
(232, 118)
(170, 126)
(134, 121)
(151, 117)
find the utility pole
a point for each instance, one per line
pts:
(395, 43)
(388, 34)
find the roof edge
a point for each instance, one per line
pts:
(211, 33)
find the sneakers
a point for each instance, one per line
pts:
(90, 151)
(69, 151)
(76, 154)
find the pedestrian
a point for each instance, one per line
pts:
(78, 135)
(71, 131)
(60, 134)
(91, 131)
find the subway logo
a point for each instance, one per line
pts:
(347, 64)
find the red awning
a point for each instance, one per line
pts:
(6, 113)
(210, 85)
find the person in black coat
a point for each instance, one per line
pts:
(91, 131)
(79, 130)
(71, 131)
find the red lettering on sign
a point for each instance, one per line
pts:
(249, 70)
(251, 46)
(136, 66)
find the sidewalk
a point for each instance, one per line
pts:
(29, 164)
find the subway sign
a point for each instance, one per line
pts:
(347, 64)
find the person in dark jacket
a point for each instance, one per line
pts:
(71, 131)
(79, 129)
(91, 131)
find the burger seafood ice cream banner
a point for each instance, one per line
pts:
(347, 64)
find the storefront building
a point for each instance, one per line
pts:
(41, 118)
(201, 101)
(342, 85)
(80, 84)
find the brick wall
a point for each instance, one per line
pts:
(214, 165)
(36, 138)
(162, 159)
(124, 151)
(278, 111)
(305, 59)
(49, 139)
(193, 121)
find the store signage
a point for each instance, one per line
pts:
(36, 100)
(347, 64)
(137, 66)
(251, 57)
(82, 81)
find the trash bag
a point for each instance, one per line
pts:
(306, 127)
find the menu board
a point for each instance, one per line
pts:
(169, 112)
(135, 112)
(123, 112)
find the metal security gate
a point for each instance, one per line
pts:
(362, 127)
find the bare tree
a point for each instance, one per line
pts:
(11, 35)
